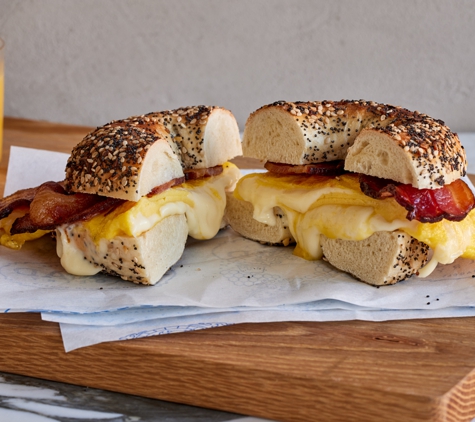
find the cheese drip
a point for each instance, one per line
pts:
(72, 258)
(337, 208)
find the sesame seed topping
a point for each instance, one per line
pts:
(112, 155)
(428, 141)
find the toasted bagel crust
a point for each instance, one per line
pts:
(383, 258)
(127, 158)
(202, 136)
(358, 132)
(142, 260)
(238, 215)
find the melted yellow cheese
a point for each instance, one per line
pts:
(16, 241)
(202, 201)
(338, 209)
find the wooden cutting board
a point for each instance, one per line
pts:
(419, 370)
(334, 371)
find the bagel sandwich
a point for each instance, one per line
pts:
(375, 190)
(134, 190)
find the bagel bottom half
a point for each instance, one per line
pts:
(142, 259)
(238, 215)
(383, 258)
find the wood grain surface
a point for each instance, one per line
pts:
(419, 370)
(334, 371)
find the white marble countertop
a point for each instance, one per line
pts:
(25, 399)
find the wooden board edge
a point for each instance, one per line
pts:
(458, 404)
(221, 386)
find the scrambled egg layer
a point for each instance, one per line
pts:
(16, 241)
(337, 208)
(202, 201)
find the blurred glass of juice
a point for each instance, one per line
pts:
(2, 77)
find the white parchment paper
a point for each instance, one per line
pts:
(227, 271)
(221, 281)
(76, 336)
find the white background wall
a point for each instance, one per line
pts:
(91, 61)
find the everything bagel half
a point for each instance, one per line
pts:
(374, 189)
(134, 190)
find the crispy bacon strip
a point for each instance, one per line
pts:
(53, 206)
(189, 175)
(24, 225)
(21, 198)
(329, 168)
(206, 172)
(29, 224)
(452, 202)
(162, 188)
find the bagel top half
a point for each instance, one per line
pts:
(374, 139)
(127, 158)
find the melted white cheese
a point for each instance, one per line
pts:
(202, 203)
(72, 258)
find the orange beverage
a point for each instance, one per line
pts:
(2, 77)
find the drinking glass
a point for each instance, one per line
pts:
(2, 77)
